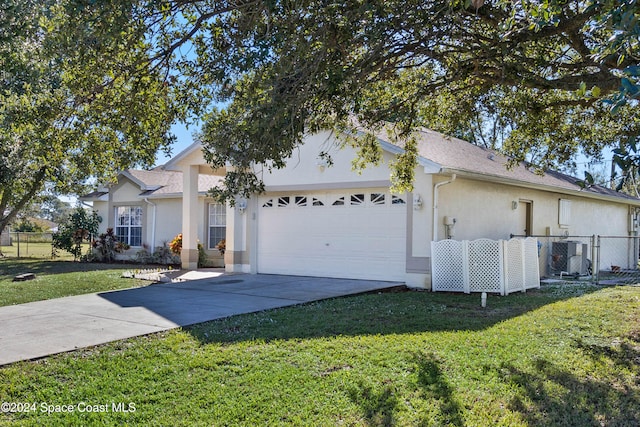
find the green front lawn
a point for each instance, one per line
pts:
(566, 355)
(38, 250)
(56, 279)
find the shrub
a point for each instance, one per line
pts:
(176, 248)
(165, 256)
(79, 227)
(106, 246)
(222, 246)
(202, 256)
(176, 244)
(162, 255)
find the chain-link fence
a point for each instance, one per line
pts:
(27, 245)
(599, 259)
(618, 259)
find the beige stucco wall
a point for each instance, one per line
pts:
(191, 158)
(168, 217)
(484, 209)
(169, 224)
(125, 191)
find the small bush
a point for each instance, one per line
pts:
(176, 248)
(202, 256)
(78, 228)
(106, 247)
(164, 256)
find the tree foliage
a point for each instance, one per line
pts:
(52, 208)
(537, 79)
(90, 86)
(26, 225)
(78, 228)
(79, 97)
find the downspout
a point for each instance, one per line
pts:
(153, 225)
(435, 205)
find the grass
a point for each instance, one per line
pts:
(38, 250)
(565, 355)
(56, 279)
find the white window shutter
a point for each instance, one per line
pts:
(564, 213)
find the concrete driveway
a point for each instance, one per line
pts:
(37, 329)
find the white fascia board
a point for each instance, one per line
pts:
(170, 165)
(170, 195)
(429, 166)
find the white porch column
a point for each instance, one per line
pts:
(190, 216)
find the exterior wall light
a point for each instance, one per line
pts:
(322, 164)
(417, 202)
(241, 205)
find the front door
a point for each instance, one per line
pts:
(525, 222)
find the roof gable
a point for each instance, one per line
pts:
(158, 183)
(174, 163)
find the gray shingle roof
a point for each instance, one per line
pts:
(455, 155)
(161, 183)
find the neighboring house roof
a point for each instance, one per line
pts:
(465, 159)
(44, 224)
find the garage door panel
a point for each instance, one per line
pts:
(360, 242)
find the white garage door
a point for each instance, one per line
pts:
(357, 234)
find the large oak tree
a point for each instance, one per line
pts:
(79, 96)
(89, 87)
(542, 81)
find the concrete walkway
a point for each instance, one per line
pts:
(37, 329)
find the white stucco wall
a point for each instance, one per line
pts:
(303, 173)
(302, 167)
(168, 220)
(484, 209)
(422, 218)
(102, 208)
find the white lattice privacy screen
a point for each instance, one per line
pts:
(485, 265)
